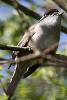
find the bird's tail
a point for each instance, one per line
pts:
(20, 70)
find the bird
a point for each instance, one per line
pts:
(39, 36)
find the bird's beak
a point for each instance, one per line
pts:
(42, 18)
(61, 13)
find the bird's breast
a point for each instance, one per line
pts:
(46, 33)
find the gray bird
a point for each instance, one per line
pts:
(41, 35)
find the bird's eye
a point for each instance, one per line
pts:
(55, 13)
(51, 12)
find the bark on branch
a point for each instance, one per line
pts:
(14, 48)
(62, 4)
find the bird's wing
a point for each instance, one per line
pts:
(24, 41)
(21, 67)
(27, 36)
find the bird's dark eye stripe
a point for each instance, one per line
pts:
(51, 11)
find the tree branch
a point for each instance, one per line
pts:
(14, 48)
(62, 4)
(42, 55)
(29, 12)
(64, 29)
(54, 64)
(22, 8)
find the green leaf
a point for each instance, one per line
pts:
(1, 67)
(1, 76)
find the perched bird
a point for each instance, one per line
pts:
(41, 35)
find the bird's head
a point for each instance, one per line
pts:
(52, 17)
(52, 12)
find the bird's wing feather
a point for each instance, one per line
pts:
(21, 67)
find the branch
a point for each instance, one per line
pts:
(62, 4)
(15, 48)
(45, 64)
(24, 49)
(39, 55)
(57, 58)
(54, 64)
(64, 29)
(42, 55)
(29, 12)
(22, 8)
(45, 55)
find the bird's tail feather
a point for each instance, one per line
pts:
(20, 70)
